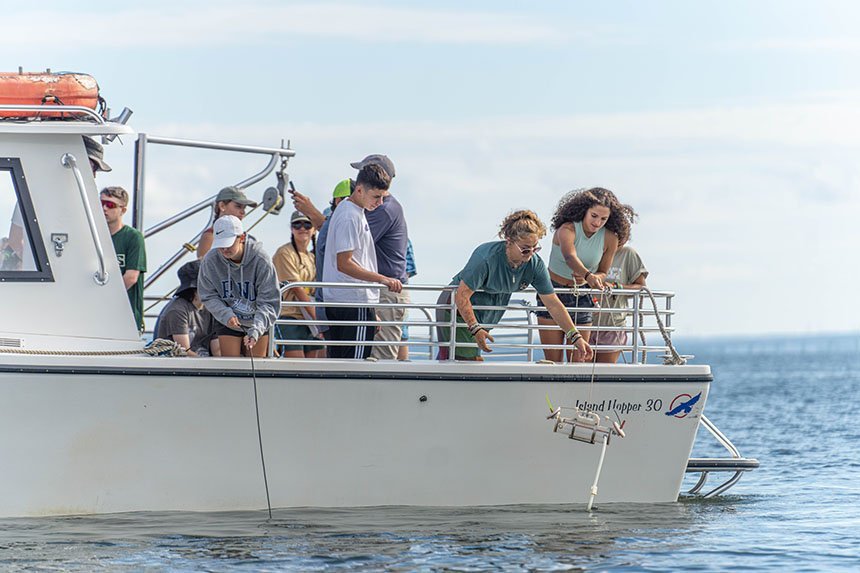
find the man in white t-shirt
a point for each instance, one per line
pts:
(351, 258)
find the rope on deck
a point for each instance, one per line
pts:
(158, 347)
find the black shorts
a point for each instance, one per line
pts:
(223, 330)
(568, 299)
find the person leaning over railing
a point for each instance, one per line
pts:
(494, 272)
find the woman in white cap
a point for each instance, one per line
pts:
(237, 284)
(295, 263)
(230, 201)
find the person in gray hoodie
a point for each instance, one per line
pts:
(239, 287)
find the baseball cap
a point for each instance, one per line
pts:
(96, 153)
(376, 159)
(226, 229)
(343, 188)
(187, 274)
(231, 193)
(299, 216)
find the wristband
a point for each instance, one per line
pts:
(588, 274)
(572, 336)
(474, 328)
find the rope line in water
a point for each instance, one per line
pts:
(260, 431)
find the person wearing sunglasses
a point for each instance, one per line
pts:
(229, 201)
(588, 225)
(493, 273)
(294, 262)
(129, 246)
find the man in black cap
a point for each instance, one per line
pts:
(184, 320)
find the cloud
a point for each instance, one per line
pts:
(256, 24)
(742, 209)
(848, 44)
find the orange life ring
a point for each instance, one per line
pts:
(47, 89)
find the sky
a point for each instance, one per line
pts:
(733, 128)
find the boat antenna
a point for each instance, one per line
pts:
(259, 431)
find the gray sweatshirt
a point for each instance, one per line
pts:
(248, 290)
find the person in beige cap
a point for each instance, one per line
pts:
(230, 201)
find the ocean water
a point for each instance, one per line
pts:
(790, 402)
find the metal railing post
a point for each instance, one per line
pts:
(452, 343)
(139, 181)
(637, 304)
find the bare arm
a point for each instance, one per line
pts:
(610, 246)
(566, 241)
(205, 244)
(347, 265)
(301, 294)
(304, 204)
(184, 341)
(129, 278)
(462, 298)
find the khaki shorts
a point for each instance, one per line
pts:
(608, 338)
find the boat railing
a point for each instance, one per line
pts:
(516, 336)
(278, 156)
(51, 111)
(737, 465)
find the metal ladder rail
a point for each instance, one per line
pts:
(705, 466)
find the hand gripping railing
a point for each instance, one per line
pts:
(68, 160)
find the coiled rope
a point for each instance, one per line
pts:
(158, 347)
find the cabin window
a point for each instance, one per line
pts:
(22, 252)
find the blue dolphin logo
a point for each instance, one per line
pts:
(685, 407)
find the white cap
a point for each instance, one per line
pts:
(226, 229)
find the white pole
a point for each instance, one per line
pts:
(597, 475)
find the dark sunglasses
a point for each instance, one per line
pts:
(302, 225)
(528, 250)
(110, 204)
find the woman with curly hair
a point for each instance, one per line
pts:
(588, 225)
(494, 271)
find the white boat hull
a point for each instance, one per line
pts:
(101, 435)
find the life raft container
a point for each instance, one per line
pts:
(48, 89)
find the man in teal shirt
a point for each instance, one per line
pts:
(129, 246)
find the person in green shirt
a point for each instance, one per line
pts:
(494, 272)
(129, 246)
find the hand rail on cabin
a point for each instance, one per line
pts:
(101, 276)
(90, 113)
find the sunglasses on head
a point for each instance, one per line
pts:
(528, 250)
(302, 225)
(110, 204)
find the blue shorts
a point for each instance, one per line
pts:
(583, 301)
